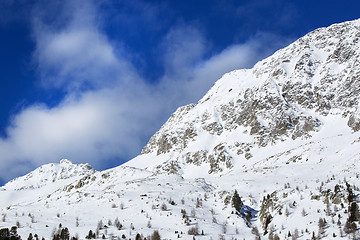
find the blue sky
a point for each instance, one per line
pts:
(91, 81)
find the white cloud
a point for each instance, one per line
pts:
(112, 118)
(78, 54)
(182, 47)
(191, 81)
(98, 125)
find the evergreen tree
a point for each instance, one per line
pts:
(13, 231)
(56, 237)
(349, 227)
(321, 225)
(163, 207)
(198, 202)
(353, 212)
(4, 233)
(138, 237)
(65, 235)
(155, 235)
(236, 202)
(276, 237)
(118, 224)
(194, 230)
(351, 195)
(90, 235)
(266, 223)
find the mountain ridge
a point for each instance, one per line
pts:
(295, 88)
(48, 173)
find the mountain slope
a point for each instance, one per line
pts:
(288, 95)
(284, 134)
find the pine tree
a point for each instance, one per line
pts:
(266, 223)
(155, 235)
(65, 235)
(321, 225)
(353, 212)
(236, 202)
(351, 195)
(194, 230)
(163, 207)
(118, 224)
(198, 202)
(13, 232)
(276, 237)
(349, 226)
(90, 235)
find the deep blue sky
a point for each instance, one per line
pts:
(93, 80)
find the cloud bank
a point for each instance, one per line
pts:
(110, 109)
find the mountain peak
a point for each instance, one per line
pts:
(65, 161)
(50, 173)
(285, 96)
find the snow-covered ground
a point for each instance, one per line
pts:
(136, 196)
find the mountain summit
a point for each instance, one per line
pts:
(50, 173)
(290, 95)
(270, 152)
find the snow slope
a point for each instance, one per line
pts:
(284, 134)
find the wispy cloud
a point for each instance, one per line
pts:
(182, 47)
(78, 54)
(192, 72)
(110, 109)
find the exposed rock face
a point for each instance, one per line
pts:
(283, 96)
(169, 140)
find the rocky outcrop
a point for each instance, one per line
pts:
(281, 97)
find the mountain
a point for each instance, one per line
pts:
(272, 151)
(291, 94)
(50, 173)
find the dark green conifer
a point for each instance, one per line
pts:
(138, 237)
(236, 202)
(30, 237)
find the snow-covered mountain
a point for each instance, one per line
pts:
(272, 151)
(42, 176)
(290, 95)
